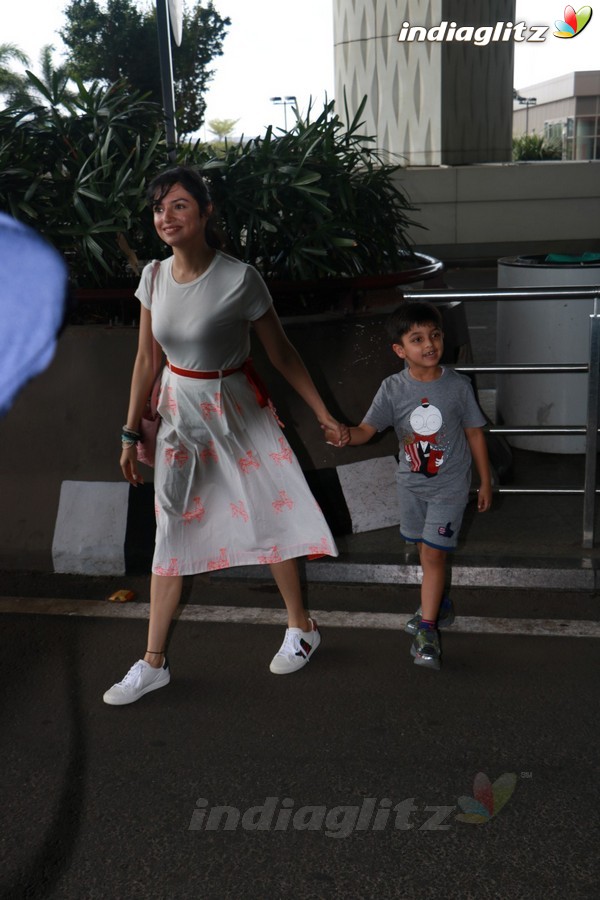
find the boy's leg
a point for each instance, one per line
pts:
(439, 535)
(433, 564)
(425, 647)
(440, 530)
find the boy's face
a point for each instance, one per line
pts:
(422, 346)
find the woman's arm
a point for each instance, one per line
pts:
(286, 359)
(141, 384)
(476, 439)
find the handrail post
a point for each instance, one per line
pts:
(591, 439)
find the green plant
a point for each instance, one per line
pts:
(534, 147)
(75, 168)
(312, 202)
(11, 83)
(303, 205)
(113, 39)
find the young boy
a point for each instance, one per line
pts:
(439, 425)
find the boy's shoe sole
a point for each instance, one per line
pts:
(426, 660)
(426, 649)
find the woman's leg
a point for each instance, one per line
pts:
(165, 594)
(433, 563)
(287, 580)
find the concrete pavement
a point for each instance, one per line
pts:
(350, 779)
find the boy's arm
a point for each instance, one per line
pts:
(360, 434)
(351, 436)
(476, 439)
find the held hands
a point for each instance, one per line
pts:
(129, 467)
(335, 433)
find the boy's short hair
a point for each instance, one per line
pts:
(408, 314)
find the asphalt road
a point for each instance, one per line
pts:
(344, 780)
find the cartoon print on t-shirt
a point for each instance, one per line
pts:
(423, 448)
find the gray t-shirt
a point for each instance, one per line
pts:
(204, 324)
(429, 418)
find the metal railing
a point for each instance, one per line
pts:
(591, 368)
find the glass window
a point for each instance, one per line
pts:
(586, 138)
(555, 134)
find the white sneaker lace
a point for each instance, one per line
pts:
(290, 644)
(133, 674)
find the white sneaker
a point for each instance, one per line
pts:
(141, 678)
(297, 648)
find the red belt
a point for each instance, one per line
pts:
(260, 389)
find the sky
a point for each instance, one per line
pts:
(284, 48)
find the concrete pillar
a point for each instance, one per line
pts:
(430, 102)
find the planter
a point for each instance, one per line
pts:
(105, 306)
(544, 331)
(345, 293)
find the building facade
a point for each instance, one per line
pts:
(565, 110)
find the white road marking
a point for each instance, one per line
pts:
(330, 619)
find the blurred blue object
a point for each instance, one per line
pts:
(33, 298)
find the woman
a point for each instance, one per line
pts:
(228, 489)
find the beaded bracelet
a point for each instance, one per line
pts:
(129, 437)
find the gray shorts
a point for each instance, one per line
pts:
(434, 522)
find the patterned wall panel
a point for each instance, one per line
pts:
(429, 103)
(402, 81)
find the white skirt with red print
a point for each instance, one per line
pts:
(228, 489)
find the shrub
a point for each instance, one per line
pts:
(75, 168)
(316, 201)
(534, 146)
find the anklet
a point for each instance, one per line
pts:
(155, 652)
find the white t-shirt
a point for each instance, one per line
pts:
(205, 324)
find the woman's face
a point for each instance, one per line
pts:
(178, 219)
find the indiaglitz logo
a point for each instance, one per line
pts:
(574, 22)
(487, 800)
(340, 821)
(481, 35)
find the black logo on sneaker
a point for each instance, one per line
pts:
(304, 646)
